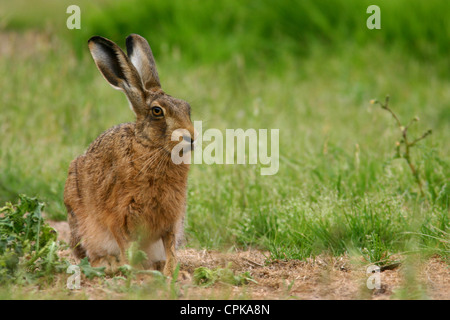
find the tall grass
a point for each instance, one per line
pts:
(260, 31)
(264, 31)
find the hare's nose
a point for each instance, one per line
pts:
(195, 135)
(188, 139)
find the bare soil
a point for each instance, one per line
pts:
(321, 278)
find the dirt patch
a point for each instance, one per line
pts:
(320, 278)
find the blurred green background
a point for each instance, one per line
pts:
(308, 68)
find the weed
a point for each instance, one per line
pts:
(376, 251)
(89, 271)
(28, 245)
(135, 255)
(206, 277)
(405, 152)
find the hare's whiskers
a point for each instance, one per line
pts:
(153, 157)
(144, 155)
(161, 164)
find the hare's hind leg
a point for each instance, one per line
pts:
(108, 251)
(75, 238)
(120, 242)
(104, 248)
(109, 262)
(72, 200)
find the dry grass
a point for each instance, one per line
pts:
(324, 277)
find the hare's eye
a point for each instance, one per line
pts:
(157, 112)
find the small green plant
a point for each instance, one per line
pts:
(130, 271)
(207, 277)
(135, 255)
(89, 271)
(28, 246)
(376, 252)
(403, 147)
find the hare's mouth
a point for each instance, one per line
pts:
(186, 143)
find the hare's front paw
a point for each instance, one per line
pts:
(169, 267)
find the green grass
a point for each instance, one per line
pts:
(339, 188)
(259, 31)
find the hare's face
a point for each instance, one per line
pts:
(166, 122)
(162, 122)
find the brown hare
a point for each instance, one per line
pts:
(126, 187)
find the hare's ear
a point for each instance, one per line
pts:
(117, 69)
(142, 58)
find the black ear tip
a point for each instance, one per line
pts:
(132, 37)
(98, 41)
(129, 40)
(95, 39)
(129, 43)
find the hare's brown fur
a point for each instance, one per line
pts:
(126, 188)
